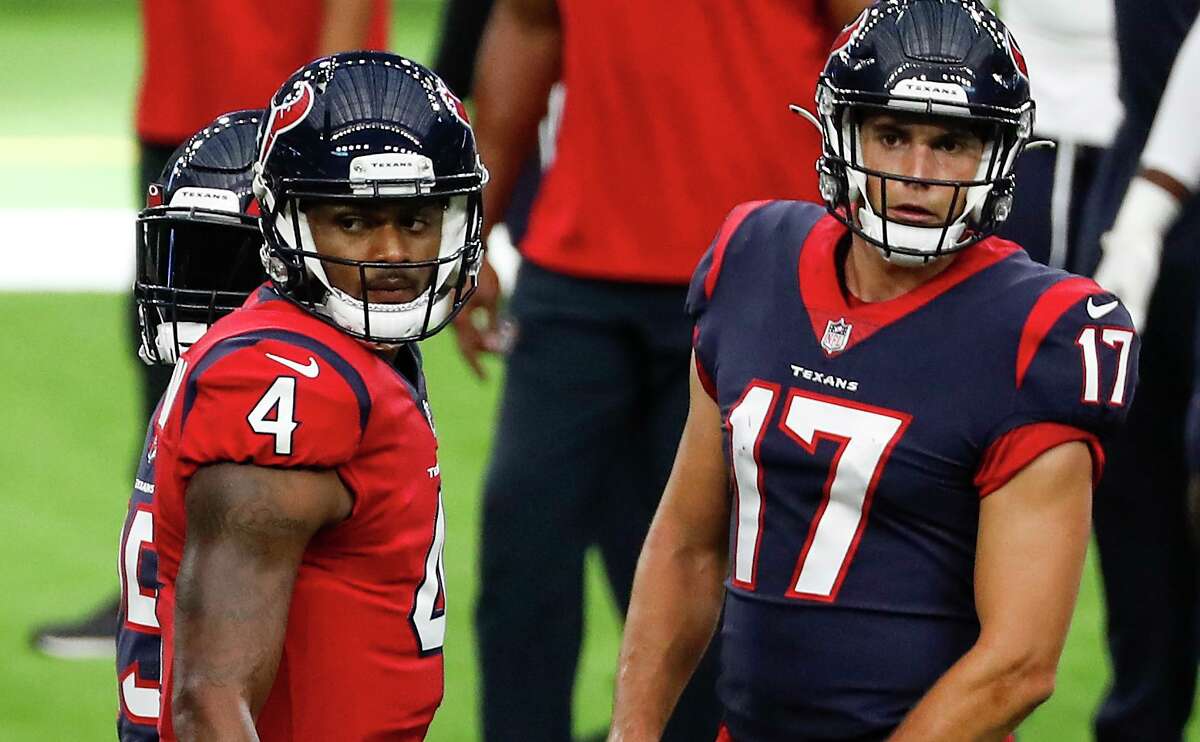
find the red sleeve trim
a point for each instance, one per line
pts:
(1046, 311)
(1014, 450)
(705, 379)
(732, 222)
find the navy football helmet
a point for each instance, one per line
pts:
(369, 125)
(942, 58)
(198, 238)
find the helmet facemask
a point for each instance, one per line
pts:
(371, 129)
(178, 250)
(299, 268)
(986, 197)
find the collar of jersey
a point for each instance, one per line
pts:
(822, 294)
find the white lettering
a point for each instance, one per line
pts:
(829, 380)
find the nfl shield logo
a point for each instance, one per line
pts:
(837, 334)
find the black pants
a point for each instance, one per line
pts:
(153, 380)
(1147, 555)
(1047, 214)
(594, 402)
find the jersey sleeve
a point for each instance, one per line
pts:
(703, 286)
(271, 402)
(1075, 376)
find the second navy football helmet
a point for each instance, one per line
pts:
(198, 238)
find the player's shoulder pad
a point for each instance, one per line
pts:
(1077, 356)
(272, 397)
(748, 227)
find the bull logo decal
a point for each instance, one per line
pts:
(1014, 51)
(453, 103)
(286, 115)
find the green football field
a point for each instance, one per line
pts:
(71, 428)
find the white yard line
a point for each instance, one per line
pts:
(92, 250)
(66, 249)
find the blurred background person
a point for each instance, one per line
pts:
(198, 60)
(673, 113)
(1071, 53)
(461, 31)
(1143, 215)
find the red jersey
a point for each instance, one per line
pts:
(675, 112)
(201, 59)
(273, 386)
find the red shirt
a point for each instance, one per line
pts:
(675, 112)
(203, 58)
(272, 385)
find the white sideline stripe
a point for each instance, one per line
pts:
(68, 151)
(66, 249)
(92, 250)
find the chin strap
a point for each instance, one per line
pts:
(172, 339)
(928, 240)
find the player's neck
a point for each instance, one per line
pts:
(386, 352)
(870, 278)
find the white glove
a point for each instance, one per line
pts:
(1133, 247)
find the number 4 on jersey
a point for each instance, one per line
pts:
(275, 414)
(428, 617)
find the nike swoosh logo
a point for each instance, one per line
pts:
(308, 370)
(1096, 311)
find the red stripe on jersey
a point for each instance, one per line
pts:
(1049, 307)
(821, 289)
(732, 222)
(1014, 450)
(706, 380)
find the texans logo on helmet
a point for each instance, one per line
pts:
(287, 115)
(453, 103)
(848, 33)
(1014, 51)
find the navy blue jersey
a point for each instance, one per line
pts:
(139, 636)
(861, 438)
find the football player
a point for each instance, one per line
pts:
(297, 515)
(197, 260)
(895, 424)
